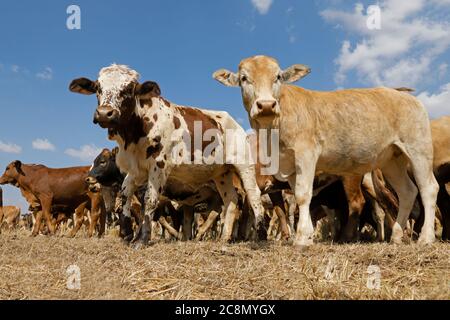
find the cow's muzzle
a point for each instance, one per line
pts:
(106, 116)
(3, 180)
(266, 108)
(90, 180)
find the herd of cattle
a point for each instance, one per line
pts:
(357, 157)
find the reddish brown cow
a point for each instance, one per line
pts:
(65, 187)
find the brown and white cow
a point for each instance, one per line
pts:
(151, 133)
(51, 187)
(345, 132)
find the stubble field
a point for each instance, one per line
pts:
(37, 268)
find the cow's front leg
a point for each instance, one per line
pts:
(46, 203)
(129, 187)
(155, 186)
(248, 176)
(302, 183)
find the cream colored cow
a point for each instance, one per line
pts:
(345, 132)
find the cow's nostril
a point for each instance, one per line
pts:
(110, 114)
(260, 106)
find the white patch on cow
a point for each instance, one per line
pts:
(112, 81)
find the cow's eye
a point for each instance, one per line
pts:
(103, 163)
(243, 79)
(279, 77)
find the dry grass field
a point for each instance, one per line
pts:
(36, 269)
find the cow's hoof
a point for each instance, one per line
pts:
(126, 229)
(127, 238)
(426, 239)
(396, 240)
(261, 232)
(303, 243)
(347, 238)
(287, 242)
(397, 234)
(226, 240)
(139, 245)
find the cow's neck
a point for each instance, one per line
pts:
(297, 119)
(130, 128)
(23, 180)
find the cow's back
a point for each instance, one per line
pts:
(353, 127)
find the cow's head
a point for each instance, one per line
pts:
(260, 79)
(12, 173)
(117, 90)
(105, 170)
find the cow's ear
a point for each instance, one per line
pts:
(147, 90)
(115, 151)
(226, 77)
(83, 86)
(295, 73)
(18, 165)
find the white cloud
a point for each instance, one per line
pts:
(46, 74)
(15, 68)
(86, 153)
(443, 69)
(402, 53)
(437, 104)
(43, 144)
(262, 6)
(10, 147)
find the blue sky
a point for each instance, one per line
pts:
(180, 44)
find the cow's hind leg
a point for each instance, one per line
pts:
(356, 201)
(278, 203)
(396, 174)
(429, 188)
(78, 218)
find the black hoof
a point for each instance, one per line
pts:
(261, 232)
(142, 235)
(126, 230)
